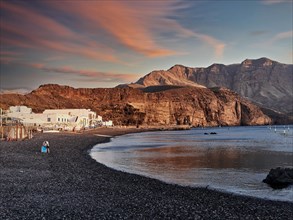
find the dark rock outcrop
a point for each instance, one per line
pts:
(279, 178)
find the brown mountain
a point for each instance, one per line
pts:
(265, 82)
(172, 105)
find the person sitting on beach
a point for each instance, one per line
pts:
(46, 144)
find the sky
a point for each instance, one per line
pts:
(100, 44)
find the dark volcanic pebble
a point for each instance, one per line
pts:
(68, 184)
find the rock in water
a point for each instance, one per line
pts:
(279, 178)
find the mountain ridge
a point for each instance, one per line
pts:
(192, 106)
(266, 82)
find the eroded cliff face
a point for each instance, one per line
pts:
(128, 106)
(264, 81)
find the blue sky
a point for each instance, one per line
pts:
(105, 43)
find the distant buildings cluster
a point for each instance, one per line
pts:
(62, 119)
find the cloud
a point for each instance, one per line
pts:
(272, 2)
(89, 75)
(216, 44)
(21, 91)
(281, 36)
(99, 30)
(136, 25)
(38, 32)
(290, 57)
(258, 33)
(9, 53)
(7, 57)
(101, 76)
(92, 75)
(54, 58)
(6, 60)
(124, 21)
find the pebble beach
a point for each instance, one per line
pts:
(69, 184)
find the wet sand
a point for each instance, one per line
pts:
(69, 184)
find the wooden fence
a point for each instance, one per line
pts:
(15, 132)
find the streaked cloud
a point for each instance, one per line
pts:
(217, 45)
(21, 91)
(8, 56)
(40, 32)
(125, 21)
(9, 53)
(290, 57)
(6, 59)
(137, 26)
(282, 36)
(258, 33)
(272, 2)
(82, 42)
(92, 75)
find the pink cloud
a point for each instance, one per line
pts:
(217, 45)
(40, 32)
(7, 57)
(54, 58)
(15, 42)
(90, 74)
(281, 36)
(100, 76)
(7, 60)
(9, 53)
(122, 20)
(138, 26)
(272, 2)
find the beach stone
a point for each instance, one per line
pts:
(279, 178)
(69, 184)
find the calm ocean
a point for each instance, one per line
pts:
(235, 159)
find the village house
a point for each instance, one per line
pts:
(65, 119)
(79, 118)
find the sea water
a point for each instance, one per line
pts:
(235, 159)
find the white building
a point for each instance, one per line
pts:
(68, 119)
(108, 123)
(20, 109)
(77, 118)
(19, 112)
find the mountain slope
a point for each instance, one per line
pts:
(128, 106)
(267, 83)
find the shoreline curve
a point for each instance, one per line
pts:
(69, 183)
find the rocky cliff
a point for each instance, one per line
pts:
(129, 106)
(265, 82)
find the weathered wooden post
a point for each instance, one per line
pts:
(16, 131)
(20, 134)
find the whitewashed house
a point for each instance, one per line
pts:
(23, 114)
(108, 123)
(67, 119)
(21, 109)
(75, 118)
(18, 111)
